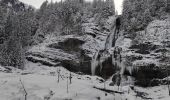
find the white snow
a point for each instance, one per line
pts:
(2, 68)
(145, 62)
(9, 4)
(123, 43)
(39, 80)
(157, 31)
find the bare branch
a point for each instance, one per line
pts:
(24, 89)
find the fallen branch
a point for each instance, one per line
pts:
(24, 89)
(108, 91)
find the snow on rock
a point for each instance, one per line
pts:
(123, 43)
(155, 93)
(2, 69)
(72, 51)
(67, 50)
(143, 55)
(157, 31)
(145, 63)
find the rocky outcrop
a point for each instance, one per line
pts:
(74, 52)
(71, 51)
(143, 57)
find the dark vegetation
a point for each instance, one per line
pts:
(22, 27)
(137, 14)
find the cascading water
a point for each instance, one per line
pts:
(94, 63)
(117, 59)
(110, 38)
(98, 60)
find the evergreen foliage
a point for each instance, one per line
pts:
(20, 27)
(138, 13)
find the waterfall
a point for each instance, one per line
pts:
(96, 59)
(117, 60)
(94, 63)
(110, 38)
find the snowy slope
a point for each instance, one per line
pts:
(41, 81)
(82, 87)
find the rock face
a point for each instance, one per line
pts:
(71, 51)
(143, 56)
(74, 52)
(58, 51)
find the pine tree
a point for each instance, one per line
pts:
(18, 31)
(42, 10)
(3, 16)
(138, 13)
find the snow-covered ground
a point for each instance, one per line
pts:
(41, 83)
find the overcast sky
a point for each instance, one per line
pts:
(37, 3)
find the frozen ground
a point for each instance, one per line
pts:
(41, 83)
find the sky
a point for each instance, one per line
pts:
(37, 3)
